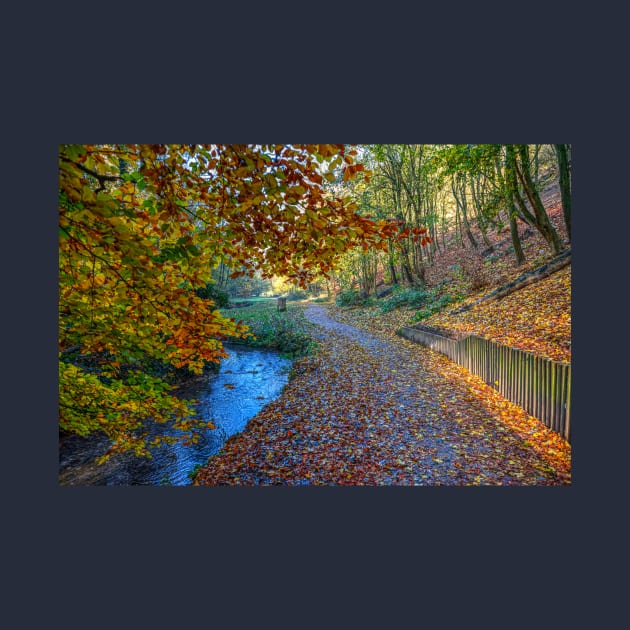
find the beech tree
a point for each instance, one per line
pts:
(140, 229)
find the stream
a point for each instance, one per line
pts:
(248, 380)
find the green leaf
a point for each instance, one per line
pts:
(74, 151)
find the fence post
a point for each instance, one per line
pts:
(554, 397)
(282, 304)
(540, 386)
(562, 391)
(567, 425)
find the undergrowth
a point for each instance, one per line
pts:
(409, 297)
(288, 331)
(353, 298)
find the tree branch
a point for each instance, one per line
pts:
(110, 266)
(98, 176)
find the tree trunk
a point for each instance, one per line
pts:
(419, 263)
(516, 241)
(481, 222)
(508, 189)
(392, 266)
(469, 234)
(564, 166)
(460, 199)
(435, 242)
(459, 235)
(406, 266)
(511, 189)
(542, 220)
(443, 224)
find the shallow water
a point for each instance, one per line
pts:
(257, 377)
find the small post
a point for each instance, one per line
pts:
(282, 304)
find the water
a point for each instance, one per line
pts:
(257, 377)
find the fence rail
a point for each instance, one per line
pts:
(541, 386)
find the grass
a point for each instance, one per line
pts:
(255, 299)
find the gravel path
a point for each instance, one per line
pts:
(368, 410)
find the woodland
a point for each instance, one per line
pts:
(168, 252)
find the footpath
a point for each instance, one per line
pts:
(373, 409)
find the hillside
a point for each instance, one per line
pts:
(536, 318)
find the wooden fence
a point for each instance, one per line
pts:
(540, 386)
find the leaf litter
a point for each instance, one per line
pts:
(371, 408)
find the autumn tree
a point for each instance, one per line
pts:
(141, 228)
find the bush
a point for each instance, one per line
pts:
(294, 296)
(352, 298)
(405, 297)
(436, 305)
(287, 332)
(211, 292)
(291, 336)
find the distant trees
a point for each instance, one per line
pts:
(435, 190)
(403, 175)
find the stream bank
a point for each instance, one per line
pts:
(247, 381)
